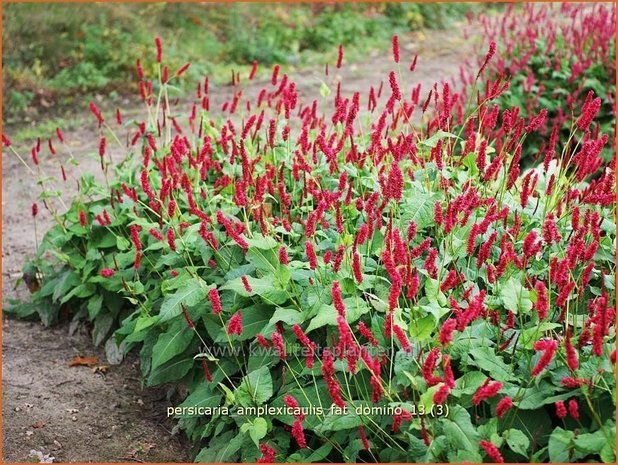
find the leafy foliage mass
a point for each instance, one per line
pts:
(554, 64)
(293, 255)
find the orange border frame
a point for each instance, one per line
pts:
(289, 2)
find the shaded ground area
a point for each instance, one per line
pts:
(95, 417)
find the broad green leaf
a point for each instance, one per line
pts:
(203, 396)
(290, 316)
(421, 329)
(265, 287)
(319, 454)
(191, 293)
(261, 242)
(560, 444)
(486, 359)
(459, 430)
(102, 326)
(517, 441)
(336, 422)
(254, 319)
(433, 140)
(171, 343)
(64, 284)
(255, 388)
(173, 370)
(591, 443)
(418, 208)
(257, 429)
(223, 448)
(516, 297)
(427, 397)
(324, 89)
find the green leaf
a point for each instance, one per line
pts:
(255, 388)
(419, 208)
(122, 243)
(257, 429)
(171, 343)
(516, 297)
(327, 315)
(319, 454)
(261, 242)
(433, 292)
(102, 325)
(422, 328)
(191, 293)
(265, 260)
(94, 305)
(290, 316)
(529, 336)
(432, 141)
(203, 396)
(590, 443)
(459, 430)
(517, 441)
(426, 399)
(265, 287)
(560, 444)
(67, 281)
(173, 370)
(486, 359)
(336, 422)
(221, 449)
(324, 89)
(254, 319)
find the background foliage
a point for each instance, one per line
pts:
(82, 49)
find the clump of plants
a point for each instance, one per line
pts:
(380, 290)
(557, 58)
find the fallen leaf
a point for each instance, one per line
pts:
(83, 361)
(37, 425)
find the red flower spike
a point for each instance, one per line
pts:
(492, 451)
(561, 410)
(107, 273)
(278, 344)
(268, 454)
(486, 391)
(337, 299)
(245, 283)
(548, 346)
(396, 48)
(215, 301)
(339, 56)
(503, 406)
(573, 409)
(235, 324)
(159, 47)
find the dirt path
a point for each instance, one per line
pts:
(93, 417)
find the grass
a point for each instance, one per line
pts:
(56, 56)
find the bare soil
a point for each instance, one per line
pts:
(73, 413)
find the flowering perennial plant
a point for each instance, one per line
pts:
(557, 58)
(288, 254)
